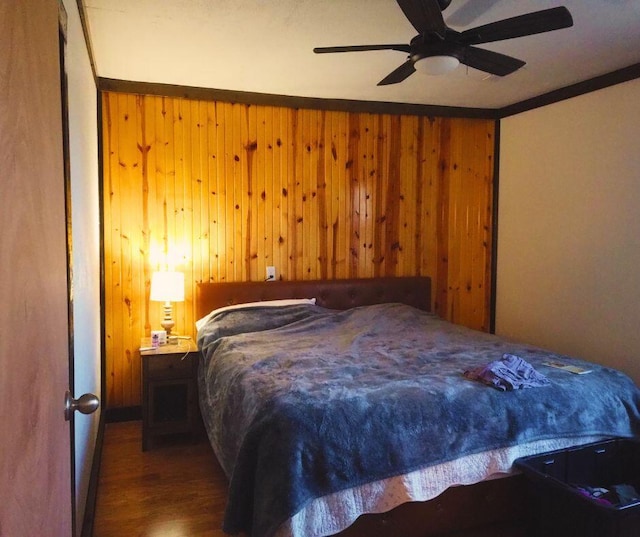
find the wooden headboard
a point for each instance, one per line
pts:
(335, 294)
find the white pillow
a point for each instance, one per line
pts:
(269, 303)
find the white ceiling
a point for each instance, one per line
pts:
(267, 47)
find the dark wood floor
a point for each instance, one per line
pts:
(179, 490)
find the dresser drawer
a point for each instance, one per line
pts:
(169, 366)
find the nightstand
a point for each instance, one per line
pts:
(170, 392)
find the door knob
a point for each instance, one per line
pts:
(86, 404)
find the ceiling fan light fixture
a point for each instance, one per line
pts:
(436, 65)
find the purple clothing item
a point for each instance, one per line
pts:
(510, 373)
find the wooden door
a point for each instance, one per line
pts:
(35, 484)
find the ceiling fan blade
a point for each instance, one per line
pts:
(361, 48)
(466, 14)
(424, 15)
(490, 62)
(399, 74)
(522, 25)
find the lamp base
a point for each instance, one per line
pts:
(167, 322)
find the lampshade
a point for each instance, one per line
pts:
(436, 65)
(167, 286)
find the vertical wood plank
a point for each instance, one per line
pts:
(111, 259)
(129, 162)
(211, 270)
(263, 226)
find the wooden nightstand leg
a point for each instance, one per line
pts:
(145, 439)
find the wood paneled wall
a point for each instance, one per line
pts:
(223, 190)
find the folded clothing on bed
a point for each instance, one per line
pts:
(510, 373)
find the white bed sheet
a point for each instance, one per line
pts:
(333, 513)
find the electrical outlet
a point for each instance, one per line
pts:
(271, 273)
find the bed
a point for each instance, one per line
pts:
(351, 400)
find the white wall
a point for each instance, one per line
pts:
(83, 142)
(568, 270)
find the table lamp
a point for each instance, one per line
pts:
(167, 287)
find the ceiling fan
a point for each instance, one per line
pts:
(438, 49)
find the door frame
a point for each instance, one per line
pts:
(66, 158)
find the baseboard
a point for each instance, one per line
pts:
(125, 413)
(94, 478)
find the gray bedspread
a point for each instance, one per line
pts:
(301, 401)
